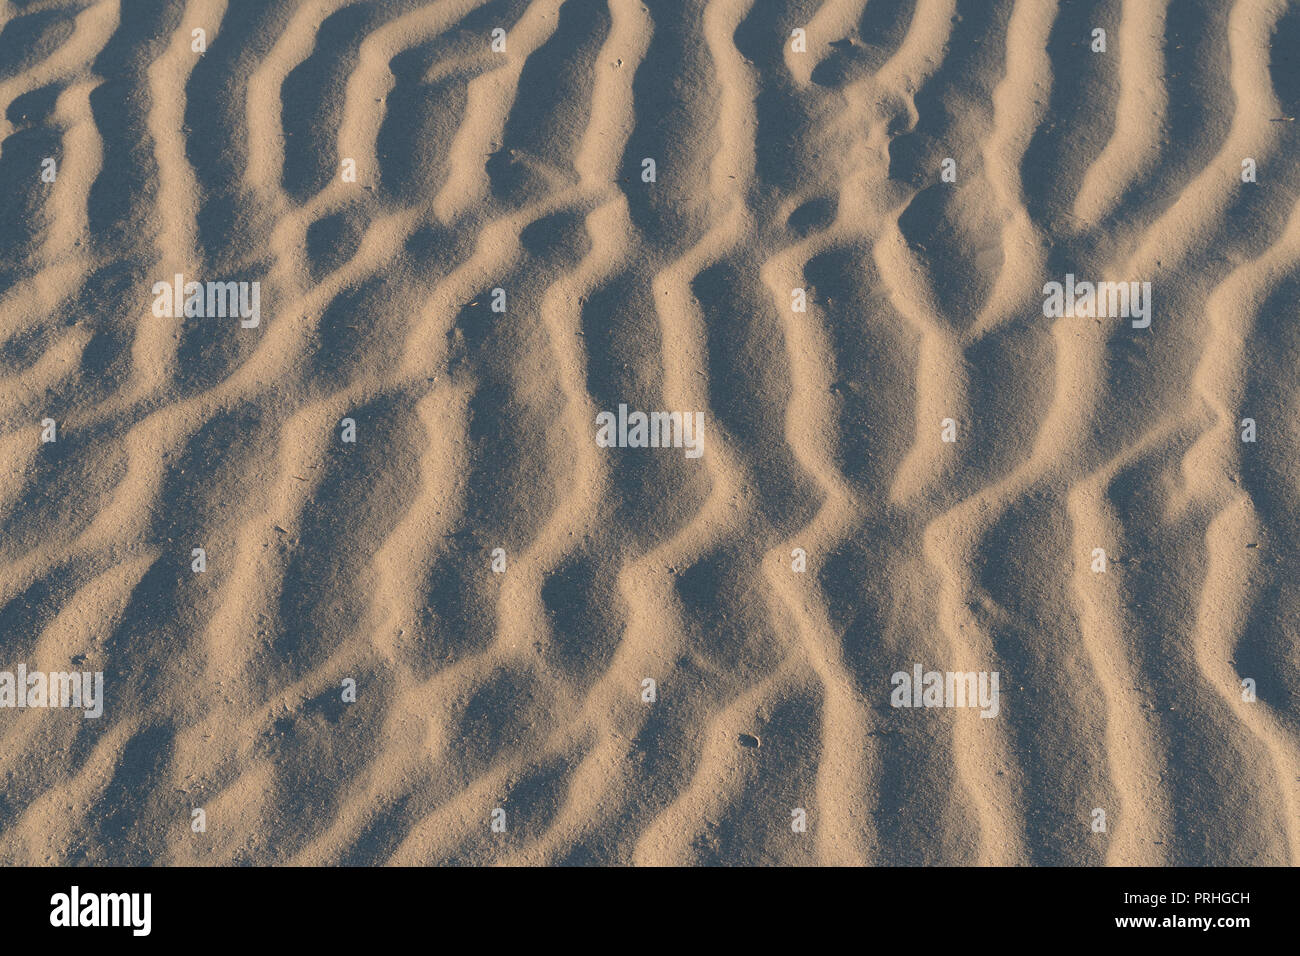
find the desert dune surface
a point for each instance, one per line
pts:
(649, 432)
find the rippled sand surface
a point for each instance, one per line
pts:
(913, 172)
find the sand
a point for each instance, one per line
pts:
(366, 584)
